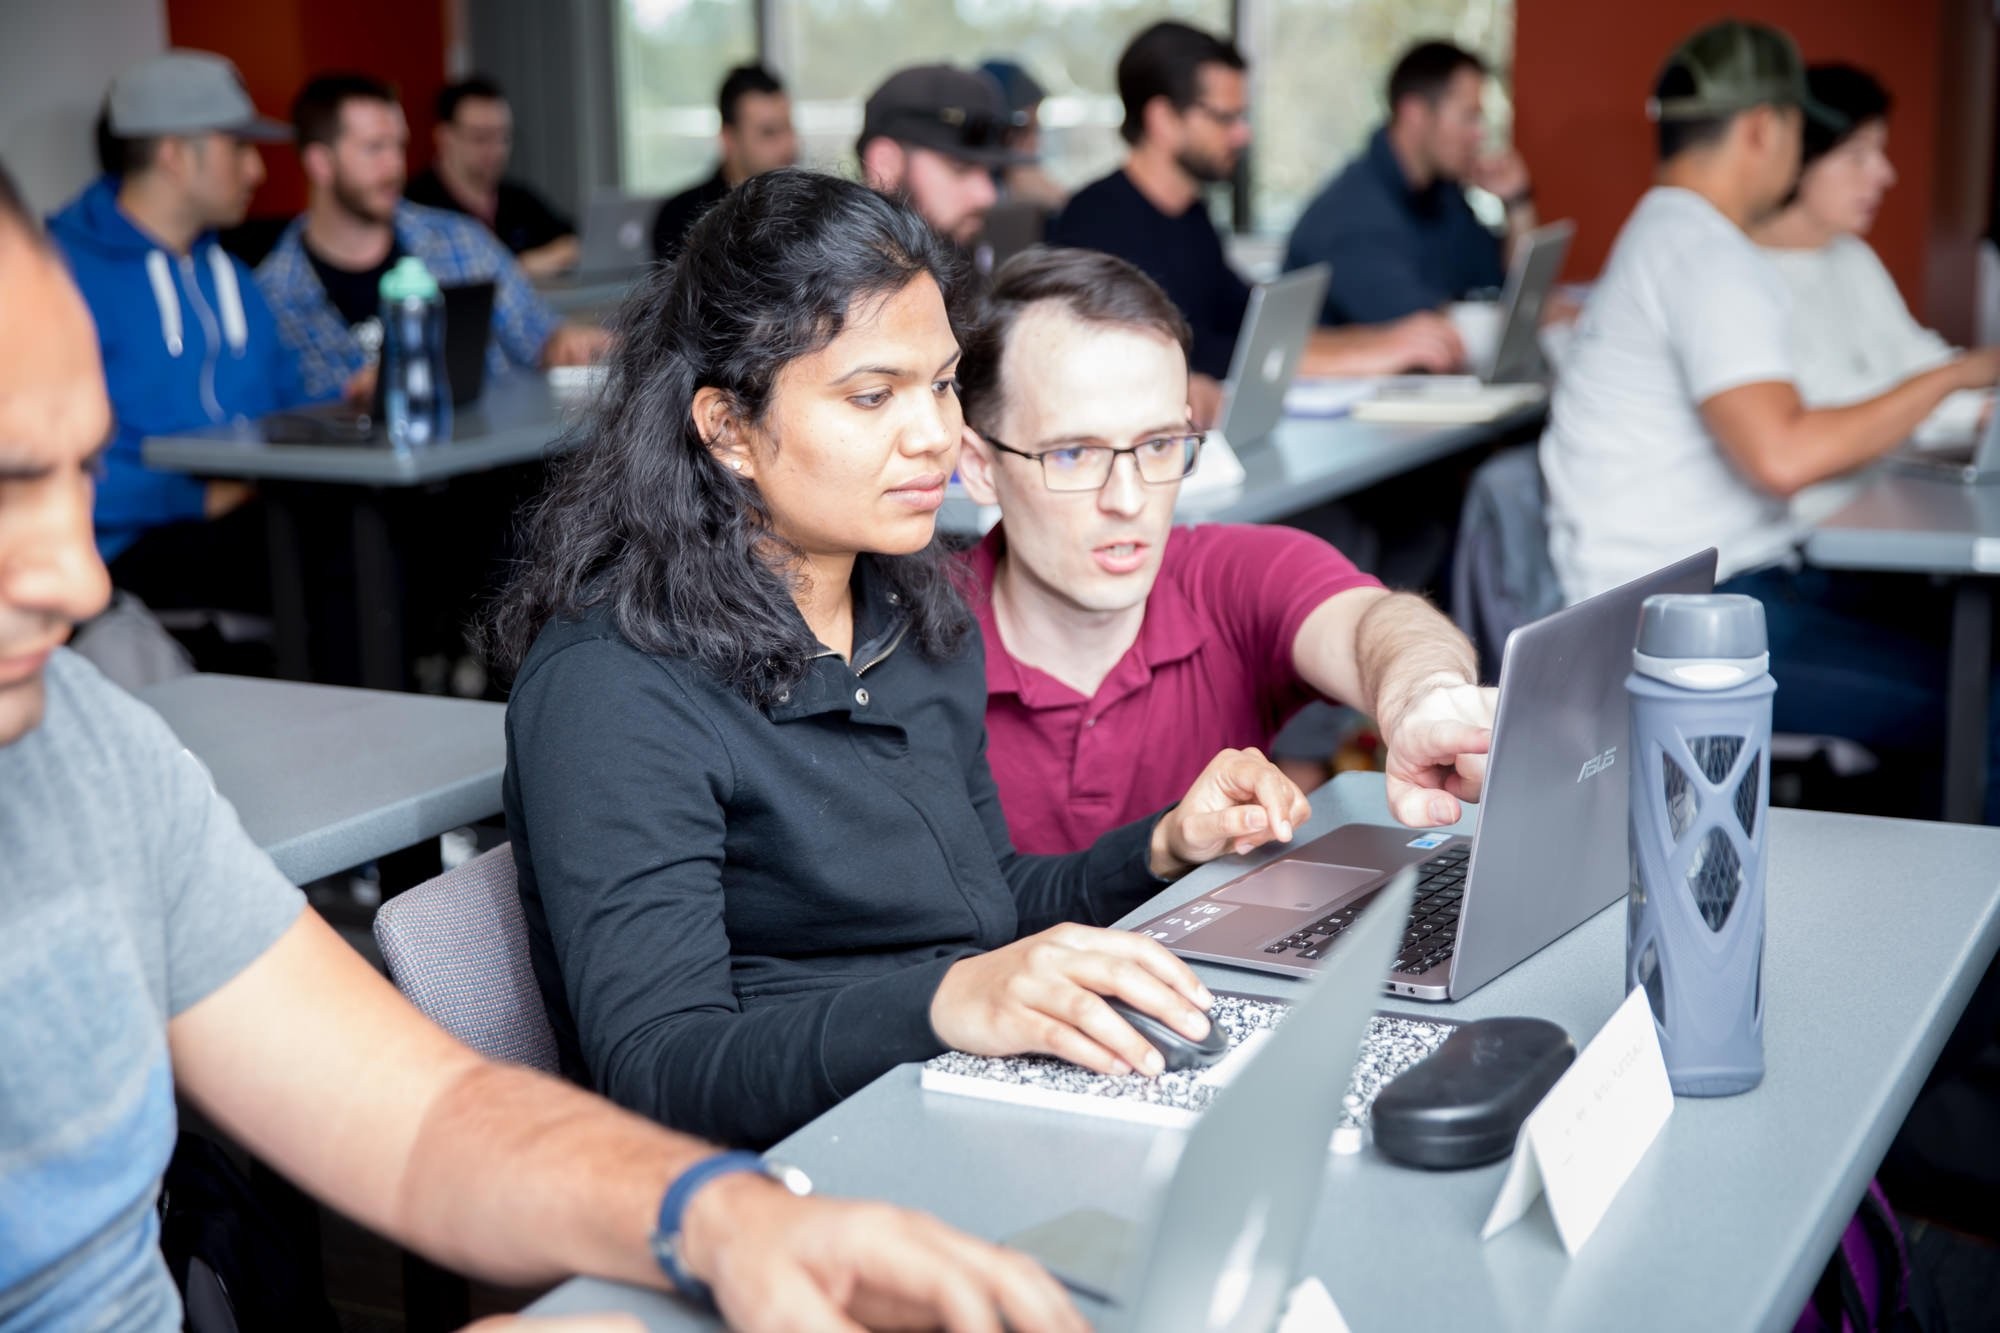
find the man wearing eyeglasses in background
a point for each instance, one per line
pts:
(934, 134)
(1187, 117)
(1123, 653)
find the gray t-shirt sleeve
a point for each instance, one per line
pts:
(223, 901)
(227, 903)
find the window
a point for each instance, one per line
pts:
(672, 55)
(833, 53)
(1319, 71)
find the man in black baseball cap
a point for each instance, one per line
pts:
(934, 134)
(1677, 421)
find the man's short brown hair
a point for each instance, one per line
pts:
(1089, 285)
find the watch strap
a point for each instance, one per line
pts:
(673, 1208)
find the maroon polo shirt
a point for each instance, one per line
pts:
(1211, 670)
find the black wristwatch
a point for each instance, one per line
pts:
(667, 1233)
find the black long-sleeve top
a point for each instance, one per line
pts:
(739, 917)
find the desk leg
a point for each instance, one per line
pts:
(288, 585)
(378, 594)
(1966, 691)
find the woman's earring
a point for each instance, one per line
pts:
(736, 463)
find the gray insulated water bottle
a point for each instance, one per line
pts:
(1701, 692)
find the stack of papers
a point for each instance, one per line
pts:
(1419, 398)
(1328, 397)
(1445, 399)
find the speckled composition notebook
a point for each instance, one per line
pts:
(1394, 1043)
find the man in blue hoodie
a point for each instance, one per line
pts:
(186, 336)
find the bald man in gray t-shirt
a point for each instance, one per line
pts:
(130, 893)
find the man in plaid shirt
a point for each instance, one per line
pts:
(322, 279)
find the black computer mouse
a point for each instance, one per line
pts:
(1179, 1052)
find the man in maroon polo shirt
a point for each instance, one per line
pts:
(1121, 652)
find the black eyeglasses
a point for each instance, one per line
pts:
(1222, 116)
(1086, 467)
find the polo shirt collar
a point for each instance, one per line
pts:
(881, 628)
(1171, 632)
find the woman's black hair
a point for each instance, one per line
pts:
(1851, 93)
(641, 516)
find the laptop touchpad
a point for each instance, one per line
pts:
(1300, 886)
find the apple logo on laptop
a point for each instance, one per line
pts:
(1274, 365)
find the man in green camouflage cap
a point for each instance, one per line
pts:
(1677, 422)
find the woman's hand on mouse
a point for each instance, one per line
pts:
(1241, 800)
(1041, 996)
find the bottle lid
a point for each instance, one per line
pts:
(407, 278)
(1710, 641)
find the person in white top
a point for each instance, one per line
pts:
(1852, 336)
(1679, 423)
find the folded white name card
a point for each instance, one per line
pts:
(1582, 1143)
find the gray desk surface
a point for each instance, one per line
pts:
(589, 295)
(1878, 932)
(1307, 462)
(514, 420)
(326, 778)
(1913, 524)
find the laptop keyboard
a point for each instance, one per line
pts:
(1429, 938)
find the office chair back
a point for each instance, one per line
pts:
(457, 947)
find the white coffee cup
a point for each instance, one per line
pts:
(1479, 325)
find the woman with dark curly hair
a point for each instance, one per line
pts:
(760, 849)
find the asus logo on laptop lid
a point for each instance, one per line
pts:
(1597, 763)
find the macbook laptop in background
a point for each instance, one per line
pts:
(1975, 462)
(1550, 851)
(1514, 374)
(1538, 263)
(1223, 1245)
(617, 234)
(1276, 324)
(1012, 225)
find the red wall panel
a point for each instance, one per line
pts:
(1584, 68)
(279, 44)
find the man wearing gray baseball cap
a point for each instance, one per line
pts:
(187, 339)
(934, 134)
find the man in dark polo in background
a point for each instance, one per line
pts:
(1394, 223)
(1186, 95)
(935, 134)
(474, 139)
(757, 136)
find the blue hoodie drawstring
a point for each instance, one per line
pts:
(235, 326)
(168, 298)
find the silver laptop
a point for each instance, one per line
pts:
(1975, 462)
(617, 234)
(1551, 846)
(1279, 319)
(1222, 1248)
(1012, 225)
(1538, 262)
